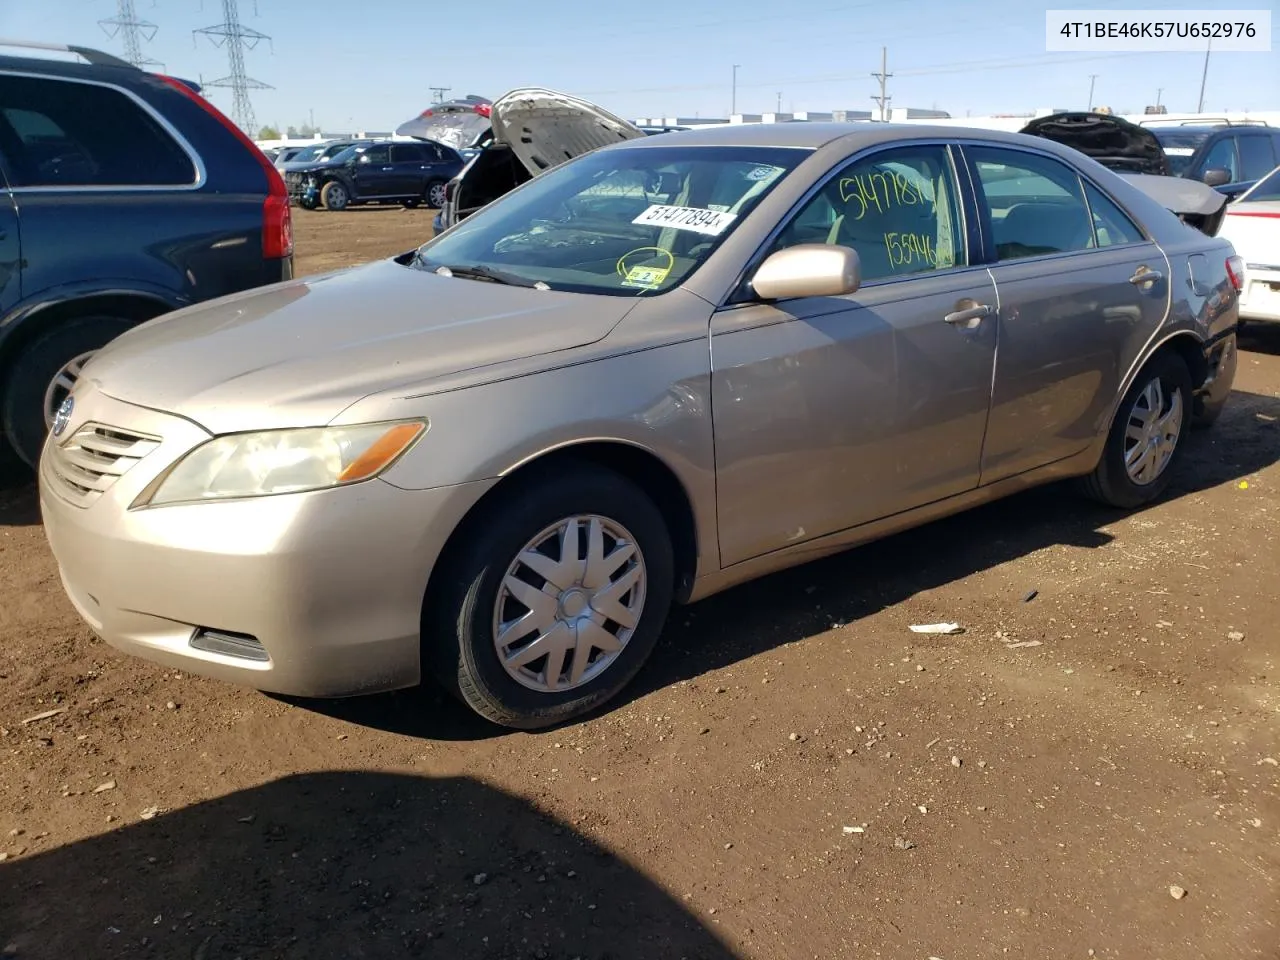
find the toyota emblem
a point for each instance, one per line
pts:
(63, 416)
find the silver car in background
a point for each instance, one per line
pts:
(653, 372)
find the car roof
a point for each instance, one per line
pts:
(813, 135)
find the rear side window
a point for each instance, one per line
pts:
(1111, 225)
(407, 153)
(1257, 158)
(1035, 204)
(62, 133)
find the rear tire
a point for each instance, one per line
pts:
(475, 592)
(1145, 444)
(335, 196)
(31, 377)
(434, 194)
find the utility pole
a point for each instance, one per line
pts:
(1204, 76)
(131, 31)
(1092, 78)
(883, 76)
(236, 38)
(733, 110)
(779, 101)
(437, 93)
(1159, 90)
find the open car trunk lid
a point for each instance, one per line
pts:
(458, 123)
(1196, 204)
(1113, 141)
(543, 128)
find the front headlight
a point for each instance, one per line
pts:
(281, 461)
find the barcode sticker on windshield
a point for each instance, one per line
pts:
(1179, 151)
(709, 222)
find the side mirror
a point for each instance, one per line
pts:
(1216, 177)
(808, 270)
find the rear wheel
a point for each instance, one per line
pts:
(435, 194)
(43, 375)
(551, 602)
(1147, 438)
(335, 196)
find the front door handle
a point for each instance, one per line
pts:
(969, 319)
(387, 168)
(1143, 276)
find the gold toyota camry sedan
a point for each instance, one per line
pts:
(647, 374)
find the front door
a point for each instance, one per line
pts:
(10, 251)
(374, 174)
(1081, 291)
(833, 411)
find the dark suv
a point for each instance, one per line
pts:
(1229, 156)
(123, 195)
(406, 173)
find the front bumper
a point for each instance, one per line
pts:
(1260, 298)
(302, 187)
(328, 584)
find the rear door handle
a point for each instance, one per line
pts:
(968, 319)
(1142, 276)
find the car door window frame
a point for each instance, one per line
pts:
(984, 218)
(201, 173)
(740, 293)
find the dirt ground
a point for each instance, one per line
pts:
(794, 775)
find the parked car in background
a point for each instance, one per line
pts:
(319, 153)
(1253, 226)
(650, 373)
(532, 130)
(126, 194)
(1228, 157)
(390, 172)
(462, 124)
(1231, 157)
(286, 154)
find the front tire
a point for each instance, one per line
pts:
(44, 373)
(335, 196)
(550, 602)
(1147, 438)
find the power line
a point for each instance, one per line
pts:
(237, 38)
(132, 32)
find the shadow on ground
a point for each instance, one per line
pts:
(344, 866)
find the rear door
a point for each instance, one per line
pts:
(409, 163)
(1081, 288)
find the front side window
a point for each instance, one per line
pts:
(1035, 204)
(1222, 155)
(896, 208)
(60, 133)
(376, 155)
(626, 221)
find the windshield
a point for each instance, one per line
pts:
(622, 222)
(1179, 146)
(1268, 188)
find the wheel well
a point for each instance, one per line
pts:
(639, 466)
(1191, 351)
(133, 307)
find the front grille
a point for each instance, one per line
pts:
(94, 458)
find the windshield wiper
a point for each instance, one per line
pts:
(481, 272)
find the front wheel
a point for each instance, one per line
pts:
(335, 196)
(553, 600)
(1147, 438)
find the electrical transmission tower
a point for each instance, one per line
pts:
(132, 32)
(237, 38)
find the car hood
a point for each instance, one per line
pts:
(1113, 141)
(544, 128)
(299, 353)
(311, 166)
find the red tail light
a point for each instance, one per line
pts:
(427, 113)
(1235, 271)
(277, 219)
(483, 109)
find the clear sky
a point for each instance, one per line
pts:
(371, 63)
